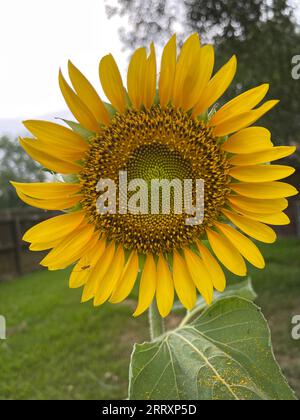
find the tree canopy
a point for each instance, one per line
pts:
(263, 34)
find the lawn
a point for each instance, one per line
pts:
(58, 348)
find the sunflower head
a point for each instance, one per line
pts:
(157, 128)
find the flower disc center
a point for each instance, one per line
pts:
(160, 144)
(157, 161)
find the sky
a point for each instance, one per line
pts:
(38, 37)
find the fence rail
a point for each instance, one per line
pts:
(15, 259)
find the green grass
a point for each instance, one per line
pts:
(60, 349)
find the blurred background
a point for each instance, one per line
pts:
(56, 348)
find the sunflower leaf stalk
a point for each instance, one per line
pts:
(156, 322)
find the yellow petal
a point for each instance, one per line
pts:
(183, 283)
(51, 204)
(196, 82)
(127, 280)
(99, 271)
(199, 275)
(186, 69)
(264, 190)
(217, 86)
(261, 173)
(150, 80)
(167, 72)
(252, 228)
(213, 267)
(112, 84)
(70, 249)
(242, 103)
(88, 95)
(147, 286)
(276, 219)
(269, 155)
(85, 265)
(165, 287)
(73, 255)
(45, 158)
(243, 120)
(67, 260)
(47, 190)
(111, 277)
(43, 246)
(135, 77)
(248, 140)
(89, 287)
(80, 111)
(61, 195)
(54, 228)
(259, 206)
(227, 253)
(244, 245)
(56, 134)
(54, 149)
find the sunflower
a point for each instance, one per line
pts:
(168, 126)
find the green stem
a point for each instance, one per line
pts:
(191, 314)
(156, 322)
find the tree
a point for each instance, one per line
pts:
(263, 33)
(18, 166)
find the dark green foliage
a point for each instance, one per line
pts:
(262, 33)
(15, 165)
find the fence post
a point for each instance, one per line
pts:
(16, 231)
(298, 218)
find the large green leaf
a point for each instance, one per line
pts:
(225, 354)
(243, 289)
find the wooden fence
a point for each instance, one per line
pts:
(293, 211)
(15, 258)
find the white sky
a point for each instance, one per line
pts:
(39, 36)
